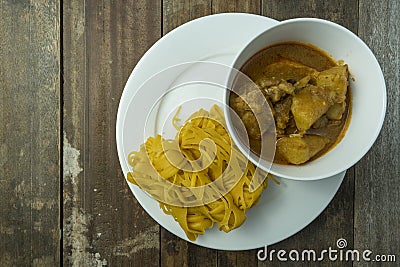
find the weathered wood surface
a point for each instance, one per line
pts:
(377, 186)
(60, 134)
(29, 133)
(102, 223)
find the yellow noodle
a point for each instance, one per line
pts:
(227, 211)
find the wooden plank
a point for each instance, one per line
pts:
(178, 12)
(222, 6)
(339, 11)
(337, 220)
(377, 184)
(175, 13)
(29, 133)
(200, 8)
(103, 223)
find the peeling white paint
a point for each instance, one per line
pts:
(70, 161)
(146, 240)
(77, 224)
(75, 230)
(99, 261)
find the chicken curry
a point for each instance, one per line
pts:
(309, 96)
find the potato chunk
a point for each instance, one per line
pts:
(297, 150)
(309, 105)
(336, 111)
(335, 80)
(287, 70)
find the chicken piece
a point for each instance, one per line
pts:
(288, 70)
(256, 101)
(335, 80)
(253, 101)
(297, 150)
(251, 124)
(335, 112)
(267, 82)
(276, 92)
(291, 126)
(309, 105)
(282, 112)
(239, 105)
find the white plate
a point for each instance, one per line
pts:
(283, 209)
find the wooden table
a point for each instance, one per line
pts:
(63, 198)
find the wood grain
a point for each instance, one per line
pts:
(226, 6)
(339, 11)
(29, 133)
(178, 12)
(376, 206)
(103, 223)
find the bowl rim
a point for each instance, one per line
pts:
(255, 159)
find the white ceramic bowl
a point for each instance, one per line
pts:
(368, 93)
